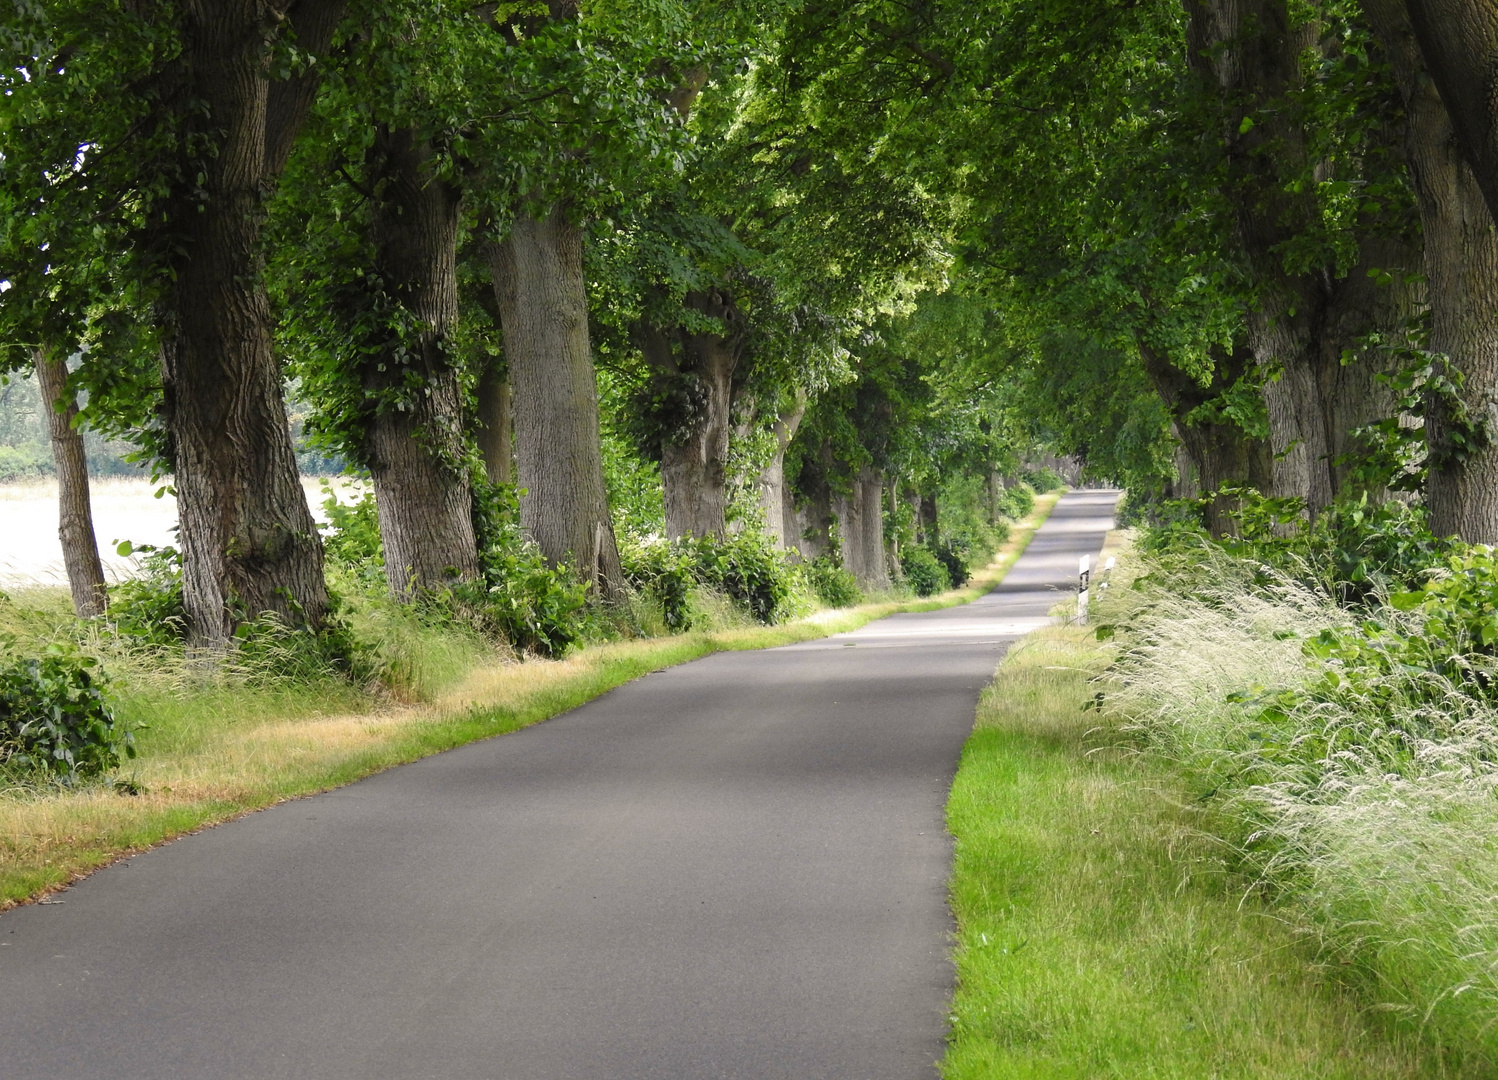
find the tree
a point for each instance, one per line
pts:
(1461, 261)
(368, 283)
(80, 550)
(169, 125)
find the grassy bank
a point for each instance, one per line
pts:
(1102, 931)
(214, 752)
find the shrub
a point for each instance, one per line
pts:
(664, 571)
(924, 572)
(749, 568)
(54, 716)
(536, 606)
(1044, 479)
(955, 561)
(148, 608)
(1017, 502)
(834, 585)
(353, 531)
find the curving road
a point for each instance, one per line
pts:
(732, 868)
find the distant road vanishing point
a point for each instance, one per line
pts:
(735, 868)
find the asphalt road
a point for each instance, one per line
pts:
(732, 868)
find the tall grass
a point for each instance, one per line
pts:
(1102, 932)
(1368, 809)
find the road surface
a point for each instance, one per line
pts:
(735, 868)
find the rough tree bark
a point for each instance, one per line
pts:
(414, 443)
(1220, 452)
(75, 518)
(495, 434)
(1461, 266)
(773, 494)
(1459, 40)
(860, 515)
(249, 543)
(694, 464)
(538, 282)
(1303, 323)
(892, 542)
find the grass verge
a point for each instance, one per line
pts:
(215, 755)
(1100, 931)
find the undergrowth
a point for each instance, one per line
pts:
(1104, 931)
(1326, 696)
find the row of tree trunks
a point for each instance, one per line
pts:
(1302, 324)
(542, 296)
(249, 542)
(1461, 265)
(414, 441)
(75, 525)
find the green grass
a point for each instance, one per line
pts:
(1101, 932)
(219, 747)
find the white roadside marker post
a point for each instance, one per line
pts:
(1084, 571)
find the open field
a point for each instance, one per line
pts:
(125, 508)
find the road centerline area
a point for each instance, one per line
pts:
(731, 868)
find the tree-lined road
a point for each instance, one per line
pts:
(732, 868)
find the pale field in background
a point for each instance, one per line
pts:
(125, 508)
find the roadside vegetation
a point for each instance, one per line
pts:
(1103, 931)
(158, 741)
(1250, 811)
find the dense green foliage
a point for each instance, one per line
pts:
(924, 572)
(55, 718)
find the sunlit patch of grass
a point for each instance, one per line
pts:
(1102, 931)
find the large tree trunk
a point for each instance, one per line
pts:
(495, 432)
(414, 441)
(1220, 452)
(1304, 323)
(538, 281)
(694, 471)
(773, 494)
(860, 515)
(249, 543)
(698, 368)
(75, 518)
(1461, 264)
(1459, 40)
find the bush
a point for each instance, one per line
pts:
(1043, 480)
(54, 716)
(1356, 550)
(749, 568)
(147, 609)
(536, 606)
(834, 585)
(664, 571)
(1017, 502)
(955, 562)
(353, 531)
(924, 572)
